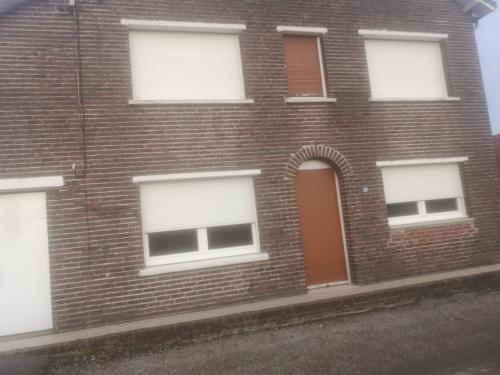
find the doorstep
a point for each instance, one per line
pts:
(316, 304)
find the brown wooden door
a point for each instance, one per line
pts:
(321, 227)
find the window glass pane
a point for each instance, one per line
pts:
(229, 236)
(441, 205)
(173, 242)
(402, 209)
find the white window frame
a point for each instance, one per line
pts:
(409, 36)
(189, 27)
(203, 253)
(202, 257)
(310, 31)
(423, 216)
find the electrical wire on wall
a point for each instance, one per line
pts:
(80, 171)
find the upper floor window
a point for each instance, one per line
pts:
(178, 61)
(405, 65)
(304, 62)
(422, 192)
(303, 65)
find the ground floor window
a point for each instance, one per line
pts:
(420, 193)
(198, 219)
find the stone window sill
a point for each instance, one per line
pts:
(309, 99)
(423, 224)
(441, 99)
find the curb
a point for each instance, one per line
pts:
(168, 336)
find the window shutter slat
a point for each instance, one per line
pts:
(422, 182)
(405, 69)
(303, 65)
(185, 66)
(197, 204)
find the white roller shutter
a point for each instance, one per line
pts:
(421, 182)
(185, 66)
(25, 298)
(405, 69)
(197, 204)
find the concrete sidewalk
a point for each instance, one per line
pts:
(455, 335)
(317, 304)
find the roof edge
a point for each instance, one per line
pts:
(6, 5)
(478, 8)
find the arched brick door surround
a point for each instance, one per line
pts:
(317, 152)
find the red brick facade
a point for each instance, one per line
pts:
(95, 235)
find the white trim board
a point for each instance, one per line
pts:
(192, 176)
(396, 163)
(437, 99)
(342, 226)
(309, 99)
(490, 7)
(30, 183)
(402, 35)
(300, 30)
(189, 101)
(321, 66)
(472, 4)
(183, 26)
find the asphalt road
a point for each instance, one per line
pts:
(459, 335)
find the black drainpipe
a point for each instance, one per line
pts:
(80, 170)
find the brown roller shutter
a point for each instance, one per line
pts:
(303, 65)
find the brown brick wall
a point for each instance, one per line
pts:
(496, 146)
(94, 222)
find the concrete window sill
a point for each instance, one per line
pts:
(443, 99)
(307, 99)
(462, 220)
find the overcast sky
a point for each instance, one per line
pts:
(488, 38)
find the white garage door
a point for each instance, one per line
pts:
(25, 303)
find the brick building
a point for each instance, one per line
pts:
(161, 157)
(496, 145)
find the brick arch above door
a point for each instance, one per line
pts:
(322, 152)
